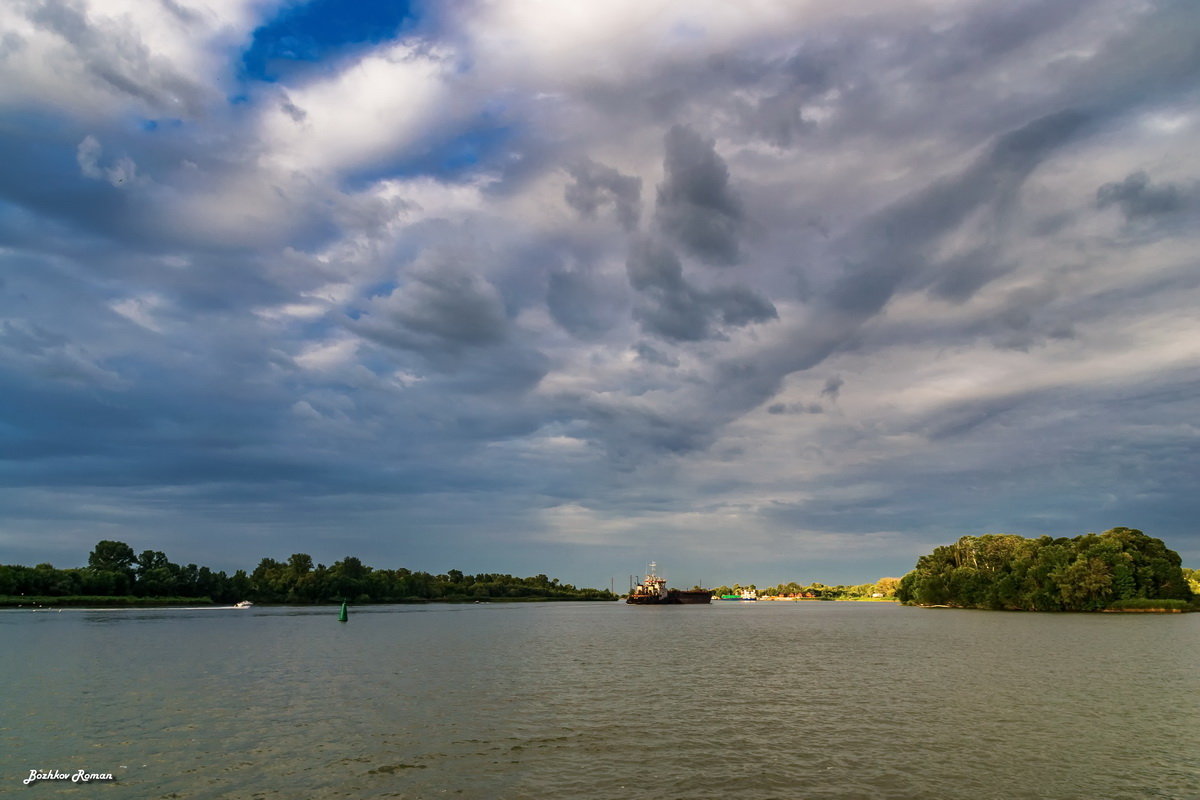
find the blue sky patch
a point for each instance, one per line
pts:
(151, 125)
(480, 146)
(305, 34)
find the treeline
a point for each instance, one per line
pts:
(1085, 573)
(884, 587)
(114, 570)
(297, 580)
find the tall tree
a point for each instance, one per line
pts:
(110, 556)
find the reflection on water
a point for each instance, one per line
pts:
(806, 700)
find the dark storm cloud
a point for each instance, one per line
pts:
(47, 180)
(738, 306)
(830, 390)
(768, 92)
(635, 435)
(1026, 318)
(596, 185)
(959, 277)
(1100, 475)
(459, 309)
(456, 324)
(960, 419)
(1145, 64)
(672, 308)
(49, 356)
(1021, 319)
(892, 247)
(795, 408)
(696, 205)
(985, 33)
(507, 371)
(886, 251)
(441, 307)
(582, 302)
(212, 413)
(148, 423)
(153, 192)
(651, 354)
(879, 67)
(1138, 197)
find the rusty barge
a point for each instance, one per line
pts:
(653, 591)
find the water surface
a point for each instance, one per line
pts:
(602, 700)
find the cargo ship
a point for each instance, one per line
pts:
(653, 591)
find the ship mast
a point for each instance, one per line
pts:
(654, 583)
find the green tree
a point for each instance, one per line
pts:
(300, 564)
(110, 556)
(1086, 573)
(887, 586)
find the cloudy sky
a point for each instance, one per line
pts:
(763, 291)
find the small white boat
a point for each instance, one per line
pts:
(243, 604)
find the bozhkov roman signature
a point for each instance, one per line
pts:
(79, 776)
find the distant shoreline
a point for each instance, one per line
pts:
(827, 599)
(102, 603)
(106, 601)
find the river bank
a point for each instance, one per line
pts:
(101, 601)
(104, 601)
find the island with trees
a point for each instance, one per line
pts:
(117, 576)
(1119, 570)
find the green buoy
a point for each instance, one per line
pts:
(342, 616)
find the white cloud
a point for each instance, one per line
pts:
(372, 110)
(97, 57)
(324, 356)
(120, 173)
(140, 310)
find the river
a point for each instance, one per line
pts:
(810, 700)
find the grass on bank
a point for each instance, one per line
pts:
(1151, 604)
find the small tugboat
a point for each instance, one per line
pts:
(653, 591)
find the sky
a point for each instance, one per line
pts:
(767, 291)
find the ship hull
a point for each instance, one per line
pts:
(674, 597)
(648, 600)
